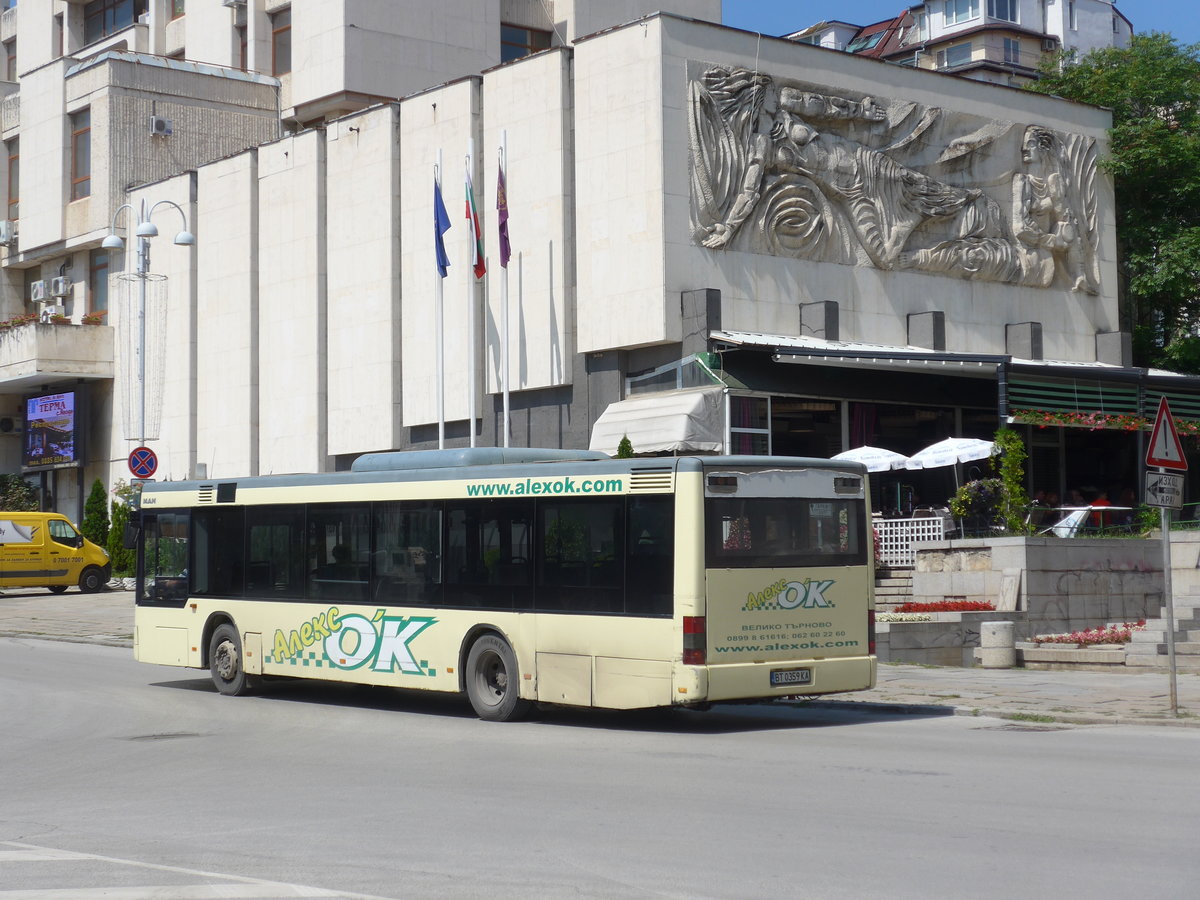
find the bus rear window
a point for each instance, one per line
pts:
(765, 532)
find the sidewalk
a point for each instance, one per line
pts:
(1141, 698)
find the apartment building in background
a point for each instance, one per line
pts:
(999, 41)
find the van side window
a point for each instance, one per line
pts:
(62, 533)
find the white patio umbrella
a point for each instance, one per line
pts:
(950, 452)
(876, 459)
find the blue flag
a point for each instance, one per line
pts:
(441, 224)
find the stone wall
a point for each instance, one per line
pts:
(1041, 585)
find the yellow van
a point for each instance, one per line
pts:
(41, 549)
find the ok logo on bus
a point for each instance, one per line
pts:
(807, 594)
(354, 642)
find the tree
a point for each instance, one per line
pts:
(95, 514)
(1153, 89)
(123, 560)
(17, 494)
(625, 448)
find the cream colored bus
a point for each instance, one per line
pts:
(519, 577)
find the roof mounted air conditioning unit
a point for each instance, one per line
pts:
(8, 232)
(160, 126)
(38, 292)
(60, 286)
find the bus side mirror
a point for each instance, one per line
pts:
(129, 539)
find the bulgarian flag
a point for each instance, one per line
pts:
(476, 234)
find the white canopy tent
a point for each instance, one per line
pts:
(691, 420)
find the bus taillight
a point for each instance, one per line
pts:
(694, 639)
(871, 631)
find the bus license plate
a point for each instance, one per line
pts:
(790, 676)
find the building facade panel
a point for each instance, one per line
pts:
(619, 185)
(530, 103)
(291, 304)
(439, 120)
(227, 316)
(363, 245)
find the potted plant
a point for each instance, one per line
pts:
(60, 319)
(93, 318)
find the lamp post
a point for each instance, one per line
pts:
(144, 231)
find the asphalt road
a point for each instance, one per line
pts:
(143, 780)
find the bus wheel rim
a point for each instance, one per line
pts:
(226, 660)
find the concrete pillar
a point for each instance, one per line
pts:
(996, 646)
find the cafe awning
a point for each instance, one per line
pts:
(691, 420)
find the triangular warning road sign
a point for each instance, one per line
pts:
(1165, 450)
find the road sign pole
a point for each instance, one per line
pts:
(1169, 603)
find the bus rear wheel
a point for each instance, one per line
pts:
(492, 681)
(225, 661)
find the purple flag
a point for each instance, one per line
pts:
(502, 216)
(441, 224)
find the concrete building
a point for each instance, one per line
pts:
(695, 260)
(999, 41)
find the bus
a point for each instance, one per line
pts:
(518, 577)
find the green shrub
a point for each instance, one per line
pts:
(95, 515)
(17, 494)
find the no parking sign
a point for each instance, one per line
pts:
(143, 462)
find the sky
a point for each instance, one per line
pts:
(775, 17)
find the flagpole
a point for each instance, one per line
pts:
(504, 298)
(441, 338)
(471, 280)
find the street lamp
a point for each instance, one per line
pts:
(143, 232)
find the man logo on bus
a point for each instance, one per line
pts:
(807, 594)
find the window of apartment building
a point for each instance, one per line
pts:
(961, 10)
(516, 42)
(1003, 9)
(921, 21)
(241, 47)
(177, 8)
(10, 60)
(14, 178)
(958, 55)
(104, 17)
(1072, 15)
(1012, 51)
(281, 42)
(81, 154)
(99, 265)
(57, 36)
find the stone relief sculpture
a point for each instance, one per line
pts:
(792, 171)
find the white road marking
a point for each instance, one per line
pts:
(242, 888)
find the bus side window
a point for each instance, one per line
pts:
(649, 581)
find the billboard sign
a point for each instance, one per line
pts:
(51, 432)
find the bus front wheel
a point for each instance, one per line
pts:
(225, 661)
(492, 681)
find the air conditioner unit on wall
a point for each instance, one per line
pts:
(50, 310)
(160, 126)
(8, 232)
(38, 292)
(11, 425)
(233, 4)
(60, 286)
(1049, 45)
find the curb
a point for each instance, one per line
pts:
(1030, 716)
